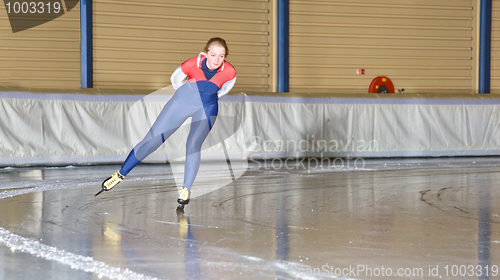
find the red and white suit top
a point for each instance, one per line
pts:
(221, 83)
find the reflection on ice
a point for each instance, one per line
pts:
(271, 223)
(484, 229)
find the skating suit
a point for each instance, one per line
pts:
(197, 97)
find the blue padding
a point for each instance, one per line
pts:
(484, 47)
(86, 42)
(283, 45)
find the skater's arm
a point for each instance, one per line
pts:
(226, 87)
(178, 78)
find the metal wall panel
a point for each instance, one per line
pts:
(495, 47)
(424, 46)
(45, 56)
(138, 44)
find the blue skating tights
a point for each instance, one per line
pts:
(184, 104)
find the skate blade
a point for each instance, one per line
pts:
(99, 193)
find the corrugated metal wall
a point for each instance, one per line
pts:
(45, 56)
(138, 44)
(423, 46)
(427, 46)
(495, 47)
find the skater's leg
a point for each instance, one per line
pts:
(170, 119)
(144, 148)
(202, 123)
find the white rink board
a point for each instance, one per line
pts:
(54, 129)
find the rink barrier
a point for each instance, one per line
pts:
(62, 129)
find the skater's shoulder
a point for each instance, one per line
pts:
(190, 62)
(228, 70)
(228, 67)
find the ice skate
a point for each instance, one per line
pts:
(183, 200)
(109, 183)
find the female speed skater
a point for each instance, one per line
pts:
(199, 83)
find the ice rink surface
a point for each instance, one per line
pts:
(386, 219)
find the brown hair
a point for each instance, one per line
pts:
(217, 41)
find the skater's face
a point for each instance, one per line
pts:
(215, 56)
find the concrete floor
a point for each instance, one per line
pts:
(387, 219)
